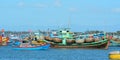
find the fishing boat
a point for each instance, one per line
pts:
(25, 45)
(69, 42)
(4, 40)
(115, 43)
(100, 44)
(33, 48)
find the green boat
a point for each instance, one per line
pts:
(68, 41)
(114, 43)
(100, 44)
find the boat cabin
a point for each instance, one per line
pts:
(65, 33)
(54, 34)
(38, 35)
(25, 43)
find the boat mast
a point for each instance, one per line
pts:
(69, 22)
(48, 32)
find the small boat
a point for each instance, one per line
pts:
(115, 43)
(114, 55)
(47, 46)
(25, 45)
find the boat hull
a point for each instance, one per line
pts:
(115, 43)
(34, 48)
(101, 44)
(70, 41)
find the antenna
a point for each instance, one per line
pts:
(69, 22)
(48, 32)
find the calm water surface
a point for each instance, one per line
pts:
(7, 53)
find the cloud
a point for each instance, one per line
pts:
(58, 3)
(73, 9)
(116, 10)
(21, 4)
(40, 5)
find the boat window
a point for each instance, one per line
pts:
(60, 31)
(24, 41)
(67, 31)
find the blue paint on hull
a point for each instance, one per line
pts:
(34, 48)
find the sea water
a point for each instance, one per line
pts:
(7, 53)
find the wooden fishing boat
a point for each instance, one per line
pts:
(4, 40)
(100, 44)
(68, 41)
(115, 43)
(25, 45)
(47, 46)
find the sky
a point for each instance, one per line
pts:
(79, 15)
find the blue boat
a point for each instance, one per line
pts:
(47, 46)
